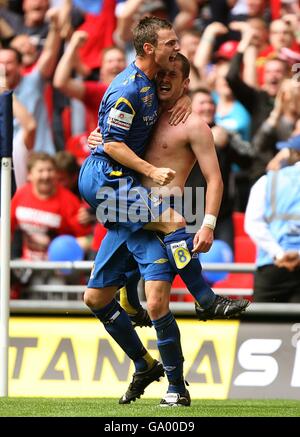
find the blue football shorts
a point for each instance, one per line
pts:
(117, 195)
(117, 253)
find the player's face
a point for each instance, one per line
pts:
(166, 49)
(170, 83)
(43, 176)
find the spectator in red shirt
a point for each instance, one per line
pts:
(89, 92)
(43, 209)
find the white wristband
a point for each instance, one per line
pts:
(209, 221)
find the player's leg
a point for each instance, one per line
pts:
(179, 244)
(100, 298)
(97, 175)
(104, 306)
(169, 222)
(158, 275)
(130, 301)
(168, 342)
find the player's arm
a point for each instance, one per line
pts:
(119, 123)
(202, 144)
(121, 153)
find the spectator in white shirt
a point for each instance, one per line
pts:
(272, 220)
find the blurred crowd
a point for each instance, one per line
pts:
(59, 56)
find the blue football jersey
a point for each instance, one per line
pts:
(128, 110)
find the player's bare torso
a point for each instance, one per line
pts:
(169, 147)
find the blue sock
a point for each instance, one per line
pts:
(168, 343)
(188, 266)
(118, 325)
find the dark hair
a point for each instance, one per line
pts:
(146, 31)
(185, 65)
(66, 162)
(39, 156)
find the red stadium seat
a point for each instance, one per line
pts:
(236, 280)
(238, 224)
(182, 297)
(244, 252)
(244, 249)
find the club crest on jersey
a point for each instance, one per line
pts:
(120, 119)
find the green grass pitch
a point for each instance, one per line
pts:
(101, 407)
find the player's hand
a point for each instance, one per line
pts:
(203, 240)
(94, 138)
(180, 111)
(162, 176)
